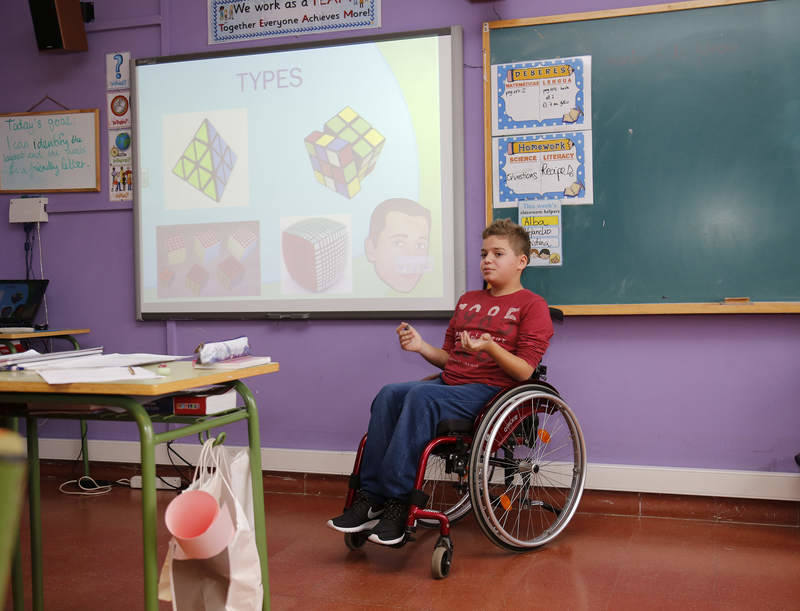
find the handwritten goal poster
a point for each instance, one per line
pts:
(543, 167)
(542, 96)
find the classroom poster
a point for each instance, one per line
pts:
(238, 20)
(543, 167)
(118, 109)
(118, 70)
(542, 96)
(542, 221)
(120, 165)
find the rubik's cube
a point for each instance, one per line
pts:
(242, 242)
(315, 252)
(176, 250)
(207, 246)
(230, 272)
(197, 278)
(345, 152)
(207, 162)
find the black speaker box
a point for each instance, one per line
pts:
(58, 25)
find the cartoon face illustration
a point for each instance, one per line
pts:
(397, 245)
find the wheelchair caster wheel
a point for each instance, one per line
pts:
(355, 540)
(441, 559)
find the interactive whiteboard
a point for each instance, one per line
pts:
(289, 181)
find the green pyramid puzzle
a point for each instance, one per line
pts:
(206, 162)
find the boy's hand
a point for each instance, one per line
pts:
(475, 345)
(410, 339)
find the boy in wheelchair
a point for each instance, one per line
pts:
(496, 337)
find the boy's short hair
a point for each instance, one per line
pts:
(409, 207)
(517, 237)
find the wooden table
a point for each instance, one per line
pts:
(8, 339)
(19, 388)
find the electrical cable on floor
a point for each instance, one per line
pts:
(170, 452)
(87, 487)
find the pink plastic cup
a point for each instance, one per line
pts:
(197, 522)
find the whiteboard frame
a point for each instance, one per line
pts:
(95, 142)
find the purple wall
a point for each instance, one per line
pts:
(684, 391)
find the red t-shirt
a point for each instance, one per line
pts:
(519, 322)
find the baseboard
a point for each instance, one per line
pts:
(621, 478)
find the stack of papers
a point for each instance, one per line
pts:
(87, 365)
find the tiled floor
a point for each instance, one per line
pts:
(93, 562)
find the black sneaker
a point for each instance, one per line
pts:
(361, 515)
(391, 528)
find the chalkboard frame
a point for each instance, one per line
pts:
(93, 141)
(727, 306)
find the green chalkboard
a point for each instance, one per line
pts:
(696, 142)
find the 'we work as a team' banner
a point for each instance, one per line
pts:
(239, 20)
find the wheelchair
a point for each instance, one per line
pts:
(520, 466)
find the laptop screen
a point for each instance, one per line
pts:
(20, 301)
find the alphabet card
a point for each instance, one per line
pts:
(542, 221)
(543, 167)
(542, 96)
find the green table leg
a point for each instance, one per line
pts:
(259, 523)
(35, 508)
(84, 442)
(85, 447)
(149, 510)
(17, 583)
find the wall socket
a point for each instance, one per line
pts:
(28, 210)
(165, 483)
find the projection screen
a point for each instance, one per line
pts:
(295, 181)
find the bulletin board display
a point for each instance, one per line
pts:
(694, 126)
(45, 152)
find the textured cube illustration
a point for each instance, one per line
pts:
(207, 162)
(315, 252)
(176, 250)
(197, 278)
(345, 152)
(230, 272)
(165, 277)
(207, 246)
(242, 242)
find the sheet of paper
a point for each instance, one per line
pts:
(104, 360)
(543, 167)
(542, 96)
(17, 356)
(237, 363)
(95, 374)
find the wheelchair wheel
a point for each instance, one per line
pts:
(448, 492)
(527, 468)
(355, 541)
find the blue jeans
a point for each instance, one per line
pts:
(403, 420)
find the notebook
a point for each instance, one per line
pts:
(19, 303)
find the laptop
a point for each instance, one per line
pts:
(19, 302)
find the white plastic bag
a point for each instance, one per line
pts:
(231, 580)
